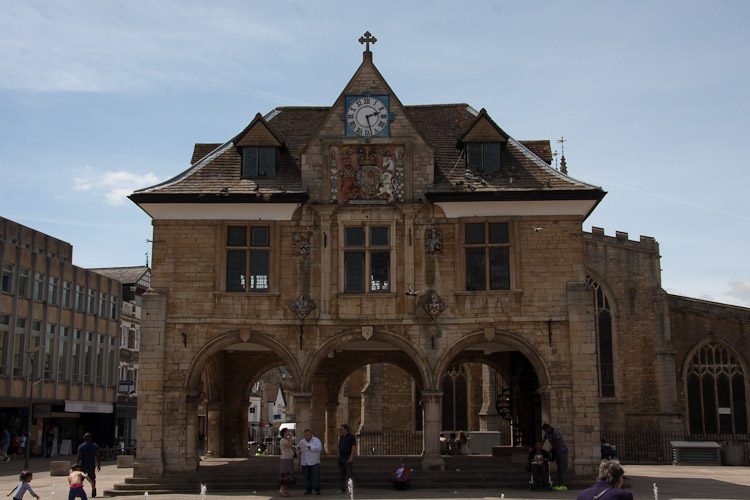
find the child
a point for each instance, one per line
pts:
(75, 479)
(23, 487)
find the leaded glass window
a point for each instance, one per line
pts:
(248, 265)
(367, 255)
(487, 252)
(258, 161)
(717, 402)
(604, 340)
(483, 157)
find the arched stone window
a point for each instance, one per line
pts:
(455, 399)
(604, 340)
(717, 403)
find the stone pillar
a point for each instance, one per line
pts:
(332, 435)
(192, 453)
(432, 414)
(489, 420)
(320, 395)
(303, 411)
(150, 432)
(666, 375)
(214, 446)
(577, 404)
(371, 419)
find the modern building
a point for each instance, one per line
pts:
(338, 240)
(59, 331)
(135, 281)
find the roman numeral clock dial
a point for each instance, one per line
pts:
(367, 116)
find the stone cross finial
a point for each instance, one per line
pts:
(367, 40)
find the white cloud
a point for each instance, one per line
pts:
(115, 186)
(740, 289)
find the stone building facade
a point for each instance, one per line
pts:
(330, 240)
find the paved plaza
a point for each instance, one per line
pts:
(673, 482)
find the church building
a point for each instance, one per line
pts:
(370, 238)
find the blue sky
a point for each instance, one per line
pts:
(653, 98)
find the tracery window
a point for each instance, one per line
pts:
(455, 404)
(604, 340)
(717, 402)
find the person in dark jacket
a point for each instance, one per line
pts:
(609, 485)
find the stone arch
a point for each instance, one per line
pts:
(192, 380)
(212, 379)
(520, 344)
(604, 284)
(378, 335)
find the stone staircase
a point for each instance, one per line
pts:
(505, 471)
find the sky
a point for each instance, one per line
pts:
(100, 98)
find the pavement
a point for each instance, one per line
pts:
(673, 482)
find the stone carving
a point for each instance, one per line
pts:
(367, 332)
(367, 174)
(433, 240)
(434, 305)
(302, 306)
(301, 243)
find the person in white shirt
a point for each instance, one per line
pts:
(309, 459)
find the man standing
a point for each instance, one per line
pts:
(49, 439)
(4, 444)
(561, 455)
(609, 484)
(346, 450)
(309, 459)
(88, 459)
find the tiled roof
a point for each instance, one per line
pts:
(125, 275)
(525, 166)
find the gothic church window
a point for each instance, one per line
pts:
(487, 251)
(455, 403)
(367, 259)
(717, 402)
(483, 157)
(248, 259)
(258, 161)
(604, 338)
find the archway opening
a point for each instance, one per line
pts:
(374, 388)
(246, 393)
(491, 391)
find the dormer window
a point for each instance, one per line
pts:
(259, 161)
(483, 157)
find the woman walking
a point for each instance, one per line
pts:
(286, 463)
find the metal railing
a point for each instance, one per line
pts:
(389, 443)
(653, 447)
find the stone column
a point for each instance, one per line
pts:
(320, 395)
(372, 400)
(432, 422)
(191, 432)
(489, 420)
(303, 411)
(332, 435)
(577, 404)
(151, 414)
(214, 446)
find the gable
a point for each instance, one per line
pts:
(483, 131)
(257, 134)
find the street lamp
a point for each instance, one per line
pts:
(30, 353)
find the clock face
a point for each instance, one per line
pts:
(367, 116)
